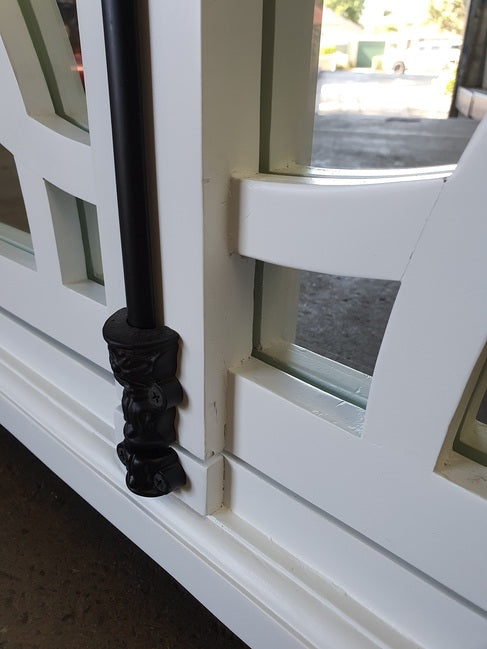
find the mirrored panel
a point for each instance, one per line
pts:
(53, 28)
(369, 84)
(324, 329)
(14, 225)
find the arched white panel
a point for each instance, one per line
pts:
(364, 227)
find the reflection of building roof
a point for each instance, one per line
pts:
(332, 20)
(337, 30)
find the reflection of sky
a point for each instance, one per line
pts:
(402, 12)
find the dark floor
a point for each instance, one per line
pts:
(70, 580)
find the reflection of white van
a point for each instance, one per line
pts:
(426, 56)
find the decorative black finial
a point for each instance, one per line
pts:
(144, 362)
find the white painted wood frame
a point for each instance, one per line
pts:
(48, 149)
(420, 375)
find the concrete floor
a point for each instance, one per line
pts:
(70, 580)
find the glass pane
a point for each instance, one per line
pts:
(78, 242)
(471, 440)
(14, 226)
(324, 329)
(344, 318)
(53, 28)
(363, 85)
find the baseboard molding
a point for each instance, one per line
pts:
(263, 602)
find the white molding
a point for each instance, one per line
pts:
(420, 608)
(232, 567)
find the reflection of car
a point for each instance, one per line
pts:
(422, 57)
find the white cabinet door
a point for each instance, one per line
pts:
(387, 471)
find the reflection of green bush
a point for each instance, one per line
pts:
(376, 63)
(446, 80)
(450, 84)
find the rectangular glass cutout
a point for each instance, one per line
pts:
(91, 240)
(471, 439)
(325, 329)
(355, 86)
(78, 242)
(53, 28)
(14, 225)
(344, 318)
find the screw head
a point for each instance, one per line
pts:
(160, 483)
(156, 396)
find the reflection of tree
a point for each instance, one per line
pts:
(351, 9)
(448, 15)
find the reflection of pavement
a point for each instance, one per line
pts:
(368, 142)
(344, 317)
(376, 93)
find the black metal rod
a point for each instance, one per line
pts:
(120, 22)
(143, 355)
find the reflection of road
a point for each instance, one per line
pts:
(350, 141)
(375, 93)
